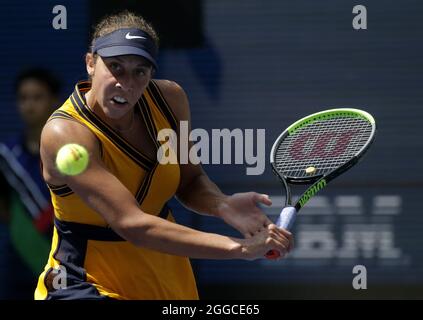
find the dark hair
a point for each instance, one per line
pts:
(41, 75)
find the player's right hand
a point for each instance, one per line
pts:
(269, 238)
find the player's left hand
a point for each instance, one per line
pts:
(241, 211)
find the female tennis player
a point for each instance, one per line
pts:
(115, 237)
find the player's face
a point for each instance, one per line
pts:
(35, 102)
(119, 82)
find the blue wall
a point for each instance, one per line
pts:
(28, 39)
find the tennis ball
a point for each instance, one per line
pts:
(72, 159)
(310, 170)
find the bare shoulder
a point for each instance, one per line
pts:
(58, 132)
(176, 98)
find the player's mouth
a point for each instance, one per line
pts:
(119, 100)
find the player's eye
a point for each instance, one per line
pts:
(141, 72)
(114, 66)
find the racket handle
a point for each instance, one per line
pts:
(285, 220)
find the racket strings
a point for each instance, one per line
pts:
(324, 145)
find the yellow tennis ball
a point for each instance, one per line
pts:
(72, 159)
(310, 170)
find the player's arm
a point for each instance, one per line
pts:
(103, 192)
(198, 193)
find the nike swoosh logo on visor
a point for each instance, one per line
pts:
(129, 37)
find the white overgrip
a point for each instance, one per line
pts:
(286, 218)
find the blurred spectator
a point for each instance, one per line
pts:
(25, 208)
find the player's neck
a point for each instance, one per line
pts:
(90, 98)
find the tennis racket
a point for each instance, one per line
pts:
(315, 150)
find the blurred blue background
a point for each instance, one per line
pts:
(256, 64)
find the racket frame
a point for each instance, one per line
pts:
(319, 181)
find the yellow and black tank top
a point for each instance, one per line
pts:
(88, 260)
